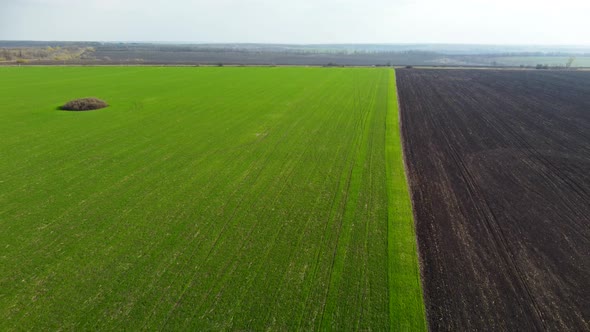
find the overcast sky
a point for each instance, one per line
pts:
(300, 21)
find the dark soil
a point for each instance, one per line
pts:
(84, 104)
(499, 170)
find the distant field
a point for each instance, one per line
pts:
(498, 164)
(581, 61)
(205, 199)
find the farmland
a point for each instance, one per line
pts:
(580, 61)
(205, 199)
(498, 165)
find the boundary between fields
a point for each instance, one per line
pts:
(406, 301)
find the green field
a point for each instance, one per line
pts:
(205, 199)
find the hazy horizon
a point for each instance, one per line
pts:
(454, 22)
(197, 42)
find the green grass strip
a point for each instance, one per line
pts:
(406, 305)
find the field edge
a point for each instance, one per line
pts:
(406, 302)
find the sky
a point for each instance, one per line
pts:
(530, 22)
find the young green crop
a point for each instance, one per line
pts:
(205, 199)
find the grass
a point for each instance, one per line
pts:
(406, 307)
(204, 199)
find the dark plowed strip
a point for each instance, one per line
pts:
(499, 168)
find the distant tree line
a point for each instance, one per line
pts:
(44, 53)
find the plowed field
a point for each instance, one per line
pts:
(499, 171)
